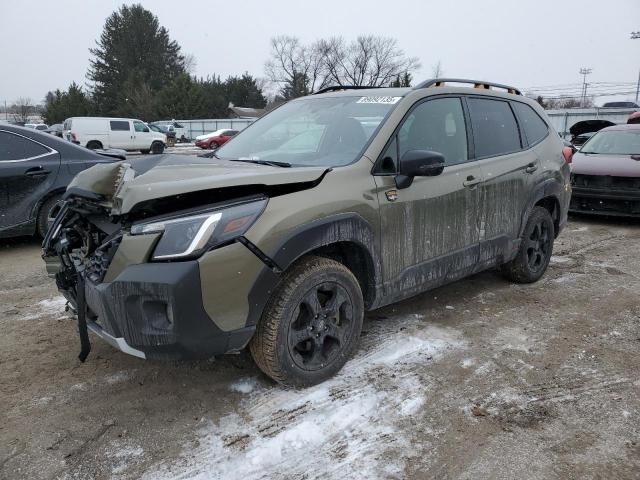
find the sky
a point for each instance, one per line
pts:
(525, 43)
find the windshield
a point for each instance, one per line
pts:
(311, 132)
(614, 142)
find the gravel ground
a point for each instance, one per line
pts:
(479, 379)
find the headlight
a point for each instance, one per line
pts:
(189, 236)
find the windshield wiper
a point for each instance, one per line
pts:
(266, 162)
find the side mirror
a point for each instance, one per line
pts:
(145, 129)
(419, 163)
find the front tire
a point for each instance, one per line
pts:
(213, 145)
(94, 145)
(536, 246)
(157, 148)
(311, 325)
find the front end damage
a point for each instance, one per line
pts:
(135, 282)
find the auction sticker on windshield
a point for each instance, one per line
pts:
(387, 100)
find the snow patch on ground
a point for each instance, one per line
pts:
(344, 428)
(567, 277)
(124, 456)
(246, 385)
(121, 376)
(50, 306)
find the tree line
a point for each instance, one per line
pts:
(137, 70)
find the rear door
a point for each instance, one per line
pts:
(121, 134)
(507, 167)
(28, 171)
(430, 230)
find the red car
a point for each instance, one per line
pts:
(214, 139)
(605, 173)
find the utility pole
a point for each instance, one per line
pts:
(635, 36)
(584, 72)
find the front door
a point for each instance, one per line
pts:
(142, 137)
(27, 173)
(430, 230)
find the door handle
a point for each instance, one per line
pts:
(36, 172)
(471, 181)
(532, 167)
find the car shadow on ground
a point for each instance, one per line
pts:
(24, 241)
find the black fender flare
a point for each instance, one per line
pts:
(548, 188)
(344, 227)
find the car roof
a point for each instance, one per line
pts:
(622, 126)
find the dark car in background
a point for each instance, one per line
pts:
(585, 129)
(35, 169)
(55, 129)
(605, 173)
(620, 105)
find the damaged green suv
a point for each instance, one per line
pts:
(329, 206)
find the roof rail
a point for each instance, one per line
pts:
(336, 88)
(440, 82)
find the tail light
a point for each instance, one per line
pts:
(567, 153)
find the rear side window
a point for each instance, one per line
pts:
(15, 147)
(495, 131)
(119, 126)
(535, 129)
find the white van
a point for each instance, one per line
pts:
(103, 132)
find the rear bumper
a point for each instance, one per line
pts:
(155, 310)
(609, 202)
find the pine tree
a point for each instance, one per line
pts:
(60, 105)
(134, 51)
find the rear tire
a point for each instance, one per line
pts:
(311, 324)
(157, 148)
(536, 247)
(94, 145)
(48, 209)
(213, 145)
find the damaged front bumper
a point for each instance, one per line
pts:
(155, 310)
(600, 202)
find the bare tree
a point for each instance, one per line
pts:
(367, 61)
(436, 70)
(190, 64)
(22, 109)
(370, 60)
(297, 68)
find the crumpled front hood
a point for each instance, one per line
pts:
(613, 165)
(125, 184)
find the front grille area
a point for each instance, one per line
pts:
(605, 182)
(99, 262)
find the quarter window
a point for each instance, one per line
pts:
(119, 126)
(437, 125)
(535, 129)
(495, 131)
(15, 147)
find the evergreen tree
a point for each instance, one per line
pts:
(135, 52)
(60, 105)
(244, 92)
(295, 87)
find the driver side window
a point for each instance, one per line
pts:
(437, 125)
(138, 126)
